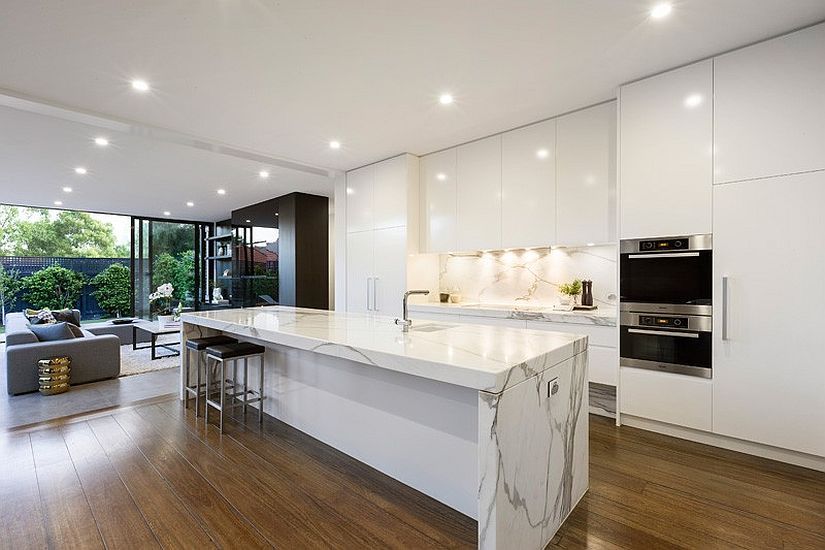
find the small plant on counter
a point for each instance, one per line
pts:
(571, 289)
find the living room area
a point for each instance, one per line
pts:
(108, 232)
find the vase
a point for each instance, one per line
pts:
(164, 320)
(53, 375)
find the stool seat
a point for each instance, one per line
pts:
(231, 351)
(199, 344)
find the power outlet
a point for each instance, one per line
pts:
(552, 387)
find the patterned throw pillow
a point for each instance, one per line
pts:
(40, 317)
(66, 316)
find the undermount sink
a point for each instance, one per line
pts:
(431, 328)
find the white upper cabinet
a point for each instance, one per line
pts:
(377, 194)
(666, 126)
(438, 182)
(586, 176)
(528, 186)
(768, 374)
(769, 108)
(479, 194)
(360, 199)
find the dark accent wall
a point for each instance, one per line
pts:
(304, 250)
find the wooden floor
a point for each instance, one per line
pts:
(151, 476)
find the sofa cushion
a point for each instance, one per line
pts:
(67, 316)
(40, 316)
(76, 330)
(52, 332)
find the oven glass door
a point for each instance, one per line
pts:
(669, 347)
(667, 278)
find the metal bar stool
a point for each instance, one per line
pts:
(199, 345)
(225, 353)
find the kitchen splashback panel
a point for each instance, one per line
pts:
(529, 276)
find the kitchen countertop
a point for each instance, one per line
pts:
(487, 358)
(604, 315)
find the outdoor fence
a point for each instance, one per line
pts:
(89, 267)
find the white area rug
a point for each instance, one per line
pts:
(140, 361)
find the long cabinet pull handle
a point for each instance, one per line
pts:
(725, 292)
(663, 255)
(663, 333)
(368, 293)
(375, 294)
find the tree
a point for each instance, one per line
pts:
(179, 271)
(9, 287)
(54, 287)
(8, 229)
(114, 289)
(71, 234)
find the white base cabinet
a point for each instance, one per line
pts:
(769, 379)
(672, 398)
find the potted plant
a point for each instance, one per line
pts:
(161, 302)
(570, 292)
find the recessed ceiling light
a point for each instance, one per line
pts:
(263, 174)
(101, 141)
(445, 99)
(248, 221)
(334, 144)
(67, 189)
(661, 10)
(190, 204)
(167, 213)
(80, 170)
(58, 203)
(221, 191)
(140, 85)
(276, 213)
(693, 100)
(441, 176)
(542, 153)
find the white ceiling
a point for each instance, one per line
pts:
(284, 78)
(133, 174)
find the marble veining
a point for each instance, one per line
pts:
(529, 276)
(486, 358)
(604, 316)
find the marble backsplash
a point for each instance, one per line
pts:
(529, 276)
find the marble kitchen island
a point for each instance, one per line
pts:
(490, 421)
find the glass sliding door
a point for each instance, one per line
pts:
(166, 252)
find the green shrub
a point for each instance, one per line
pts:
(113, 289)
(54, 287)
(9, 287)
(178, 271)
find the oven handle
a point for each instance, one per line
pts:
(663, 255)
(663, 333)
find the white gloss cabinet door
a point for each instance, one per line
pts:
(768, 371)
(360, 271)
(389, 207)
(360, 199)
(438, 182)
(666, 126)
(390, 272)
(479, 194)
(528, 186)
(586, 176)
(769, 111)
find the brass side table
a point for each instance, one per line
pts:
(53, 375)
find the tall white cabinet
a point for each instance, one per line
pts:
(768, 372)
(666, 160)
(479, 194)
(439, 214)
(382, 230)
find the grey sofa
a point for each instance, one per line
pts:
(93, 357)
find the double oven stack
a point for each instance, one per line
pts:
(666, 288)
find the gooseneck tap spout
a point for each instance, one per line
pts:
(406, 323)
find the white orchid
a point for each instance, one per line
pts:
(162, 299)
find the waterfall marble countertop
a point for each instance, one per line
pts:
(487, 358)
(603, 316)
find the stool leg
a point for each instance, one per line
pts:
(261, 393)
(245, 383)
(186, 380)
(223, 392)
(206, 393)
(234, 383)
(197, 380)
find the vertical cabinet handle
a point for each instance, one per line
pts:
(725, 292)
(368, 293)
(375, 305)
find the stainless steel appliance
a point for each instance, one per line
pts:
(666, 290)
(679, 344)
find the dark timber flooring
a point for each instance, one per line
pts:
(151, 476)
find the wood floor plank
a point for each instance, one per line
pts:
(118, 518)
(272, 466)
(20, 512)
(226, 525)
(68, 518)
(168, 517)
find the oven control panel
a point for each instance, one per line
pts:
(664, 244)
(657, 321)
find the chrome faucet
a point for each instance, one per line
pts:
(406, 323)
